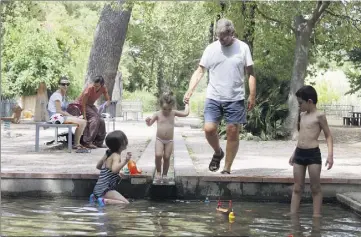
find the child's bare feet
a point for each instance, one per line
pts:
(165, 179)
(157, 178)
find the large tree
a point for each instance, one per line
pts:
(43, 41)
(354, 73)
(315, 27)
(108, 43)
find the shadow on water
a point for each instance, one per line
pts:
(163, 192)
(58, 217)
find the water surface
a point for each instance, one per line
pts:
(59, 217)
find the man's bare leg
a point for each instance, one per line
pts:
(212, 137)
(232, 145)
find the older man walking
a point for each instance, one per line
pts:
(226, 59)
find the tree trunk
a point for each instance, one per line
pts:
(41, 112)
(249, 15)
(151, 81)
(160, 79)
(108, 44)
(303, 33)
(118, 87)
(118, 93)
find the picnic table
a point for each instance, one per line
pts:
(38, 125)
(354, 119)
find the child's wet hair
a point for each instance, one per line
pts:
(307, 93)
(167, 98)
(116, 140)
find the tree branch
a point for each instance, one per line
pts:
(353, 21)
(320, 8)
(315, 11)
(275, 20)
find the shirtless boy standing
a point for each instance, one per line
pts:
(307, 153)
(165, 131)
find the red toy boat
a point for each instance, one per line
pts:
(223, 210)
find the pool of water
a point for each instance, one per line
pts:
(59, 217)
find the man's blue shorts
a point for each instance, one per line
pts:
(234, 112)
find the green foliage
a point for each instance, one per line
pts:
(28, 62)
(196, 104)
(326, 94)
(164, 44)
(43, 41)
(165, 40)
(354, 73)
(148, 99)
(266, 119)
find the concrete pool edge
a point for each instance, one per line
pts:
(187, 187)
(188, 183)
(350, 199)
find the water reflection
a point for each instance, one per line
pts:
(298, 230)
(32, 217)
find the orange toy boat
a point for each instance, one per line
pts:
(132, 167)
(223, 210)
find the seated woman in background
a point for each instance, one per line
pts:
(95, 132)
(56, 105)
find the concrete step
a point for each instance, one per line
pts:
(351, 200)
(146, 164)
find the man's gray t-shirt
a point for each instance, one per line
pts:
(226, 66)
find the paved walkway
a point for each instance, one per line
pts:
(18, 152)
(254, 159)
(270, 158)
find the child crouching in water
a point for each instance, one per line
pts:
(110, 166)
(307, 154)
(165, 132)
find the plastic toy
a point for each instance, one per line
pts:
(207, 200)
(223, 210)
(231, 217)
(126, 170)
(132, 167)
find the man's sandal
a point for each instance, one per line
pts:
(81, 149)
(216, 160)
(225, 172)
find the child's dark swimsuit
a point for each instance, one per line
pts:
(107, 181)
(307, 157)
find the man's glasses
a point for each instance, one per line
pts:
(65, 84)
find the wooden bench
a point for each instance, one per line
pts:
(112, 111)
(134, 107)
(349, 121)
(56, 126)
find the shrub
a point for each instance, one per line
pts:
(266, 119)
(148, 99)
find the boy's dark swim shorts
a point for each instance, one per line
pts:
(308, 156)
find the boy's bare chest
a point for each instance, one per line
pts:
(310, 122)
